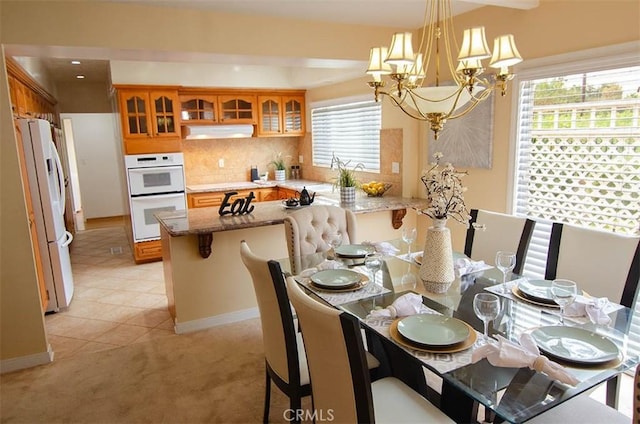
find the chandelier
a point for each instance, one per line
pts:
(407, 69)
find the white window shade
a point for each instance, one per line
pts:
(578, 154)
(350, 131)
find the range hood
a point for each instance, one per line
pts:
(204, 132)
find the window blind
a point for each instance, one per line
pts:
(350, 131)
(578, 158)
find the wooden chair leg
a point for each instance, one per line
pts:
(267, 397)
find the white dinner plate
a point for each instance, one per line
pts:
(538, 290)
(336, 278)
(574, 344)
(354, 250)
(433, 330)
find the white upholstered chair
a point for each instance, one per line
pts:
(602, 263)
(285, 360)
(339, 379)
(490, 232)
(307, 230)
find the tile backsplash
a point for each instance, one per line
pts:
(202, 157)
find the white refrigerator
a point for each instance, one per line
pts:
(46, 182)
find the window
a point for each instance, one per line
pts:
(351, 131)
(578, 152)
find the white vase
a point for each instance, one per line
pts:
(347, 195)
(436, 271)
(280, 174)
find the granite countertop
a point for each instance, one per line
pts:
(297, 185)
(207, 220)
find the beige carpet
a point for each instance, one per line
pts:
(210, 376)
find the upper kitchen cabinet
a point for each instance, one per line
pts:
(199, 109)
(237, 109)
(280, 115)
(150, 119)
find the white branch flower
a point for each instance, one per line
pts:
(445, 192)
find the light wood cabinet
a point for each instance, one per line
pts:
(215, 198)
(237, 109)
(199, 109)
(285, 193)
(147, 251)
(280, 115)
(150, 120)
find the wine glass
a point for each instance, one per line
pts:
(334, 240)
(409, 236)
(564, 293)
(505, 262)
(373, 262)
(486, 307)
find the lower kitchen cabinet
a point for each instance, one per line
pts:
(147, 251)
(285, 193)
(215, 198)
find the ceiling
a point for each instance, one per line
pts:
(388, 13)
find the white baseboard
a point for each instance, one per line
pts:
(22, 362)
(204, 323)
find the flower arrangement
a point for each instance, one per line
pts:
(346, 176)
(279, 162)
(445, 192)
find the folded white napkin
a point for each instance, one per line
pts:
(526, 354)
(383, 247)
(405, 305)
(464, 266)
(328, 264)
(592, 307)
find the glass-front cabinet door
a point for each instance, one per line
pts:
(269, 115)
(237, 109)
(293, 119)
(134, 107)
(199, 109)
(166, 117)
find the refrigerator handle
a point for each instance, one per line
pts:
(69, 239)
(60, 178)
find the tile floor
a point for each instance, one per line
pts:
(116, 302)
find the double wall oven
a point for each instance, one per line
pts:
(156, 184)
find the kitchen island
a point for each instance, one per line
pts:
(206, 281)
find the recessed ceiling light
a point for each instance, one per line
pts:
(75, 62)
(80, 76)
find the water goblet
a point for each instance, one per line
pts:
(564, 293)
(505, 262)
(409, 236)
(334, 240)
(486, 307)
(373, 262)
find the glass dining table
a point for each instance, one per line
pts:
(509, 394)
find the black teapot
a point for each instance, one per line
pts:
(305, 198)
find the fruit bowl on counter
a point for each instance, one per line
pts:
(375, 188)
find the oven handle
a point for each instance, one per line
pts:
(158, 196)
(154, 169)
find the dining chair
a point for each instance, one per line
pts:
(340, 382)
(490, 232)
(602, 263)
(307, 231)
(285, 359)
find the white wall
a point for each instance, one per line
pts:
(99, 164)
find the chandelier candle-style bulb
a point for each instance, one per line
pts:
(401, 51)
(474, 45)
